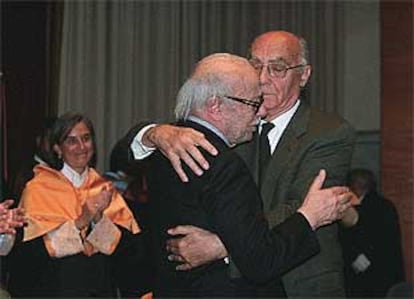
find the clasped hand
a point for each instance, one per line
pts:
(93, 208)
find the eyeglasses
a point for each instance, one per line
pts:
(274, 69)
(255, 103)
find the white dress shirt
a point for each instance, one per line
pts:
(141, 151)
(280, 122)
(73, 176)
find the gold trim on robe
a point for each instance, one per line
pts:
(50, 200)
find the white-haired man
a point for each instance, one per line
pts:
(222, 99)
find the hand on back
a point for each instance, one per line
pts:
(180, 144)
(324, 206)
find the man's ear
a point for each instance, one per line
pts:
(307, 70)
(214, 105)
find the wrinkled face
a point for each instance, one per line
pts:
(77, 149)
(271, 53)
(244, 112)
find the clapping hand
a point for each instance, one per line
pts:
(10, 219)
(101, 201)
(92, 209)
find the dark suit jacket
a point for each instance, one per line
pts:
(312, 140)
(225, 201)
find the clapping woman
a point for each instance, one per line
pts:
(76, 220)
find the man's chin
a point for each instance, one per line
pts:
(246, 138)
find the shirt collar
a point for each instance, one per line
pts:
(73, 176)
(39, 160)
(210, 127)
(280, 122)
(283, 120)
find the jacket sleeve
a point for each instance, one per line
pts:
(124, 147)
(234, 207)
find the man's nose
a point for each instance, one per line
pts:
(262, 112)
(264, 75)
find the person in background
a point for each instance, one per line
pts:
(128, 174)
(372, 246)
(301, 141)
(41, 156)
(135, 274)
(76, 223)
(19, 179)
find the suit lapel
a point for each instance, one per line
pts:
(249, 153)
(286, 147)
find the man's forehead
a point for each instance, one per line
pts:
(273, 49)
(285, 59)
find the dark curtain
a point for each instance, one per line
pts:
(28, 65)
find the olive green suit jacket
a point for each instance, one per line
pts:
(312, 140)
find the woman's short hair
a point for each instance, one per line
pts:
(60, 131)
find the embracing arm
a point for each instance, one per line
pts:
(320, 207)
(234, 208)
(176, 143)
(196, 247)
(331, 151)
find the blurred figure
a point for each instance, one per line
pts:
(372, 247)
(135, 275)
(41, 156)
(128, 174)
(77, 223)
(403, 289)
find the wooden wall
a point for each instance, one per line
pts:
(397, 116)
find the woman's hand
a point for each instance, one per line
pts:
(92, 209)
(89, 210)
(102, 201)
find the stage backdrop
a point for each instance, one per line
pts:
(123, 61)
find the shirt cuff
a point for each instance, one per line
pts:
(64, 240)
(139, 150)
(104, 236)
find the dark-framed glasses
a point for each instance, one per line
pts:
(274, 69)
(255, 103)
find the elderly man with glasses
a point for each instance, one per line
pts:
(300, 141)
(222, 99)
